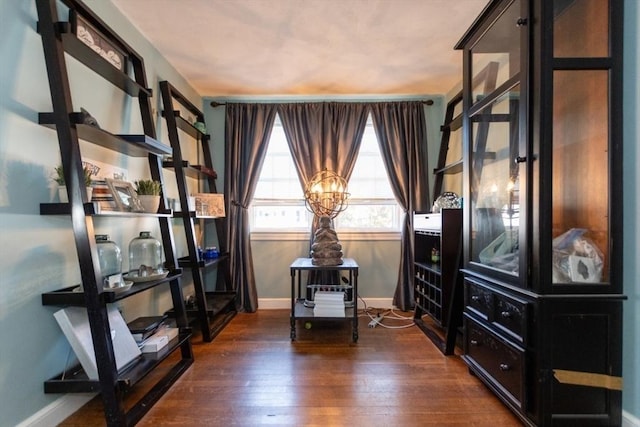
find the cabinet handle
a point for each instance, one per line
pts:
(505, 315)
(475, 298)
(473, 342)
(521, 22)
(504, 367)
(520, 159)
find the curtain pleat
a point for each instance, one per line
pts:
(402, 135)
(247, 132)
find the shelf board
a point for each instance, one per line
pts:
(131, 145)
(193, 171)
(67, 296)
(83, 53)
(454, 124)
(94, 209)
(220, 310)
(187, 127)
(185, 262)
(430, 266)
(302, 312)
(76, 380)
(451, 168)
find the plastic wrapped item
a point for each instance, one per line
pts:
(576, 258)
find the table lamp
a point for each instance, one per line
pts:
(326, 196)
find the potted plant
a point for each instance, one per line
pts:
(62, 187)
(149, 194)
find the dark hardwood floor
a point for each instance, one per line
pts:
(252, 374)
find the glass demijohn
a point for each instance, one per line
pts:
(145, 255)
(110, 258)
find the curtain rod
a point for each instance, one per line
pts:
(215, 104)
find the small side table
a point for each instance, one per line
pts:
(300, 312)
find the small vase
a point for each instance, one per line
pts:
(62, 194)
(149, 203)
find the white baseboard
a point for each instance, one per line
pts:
(629, 420)
(58, 410)
(284, 303)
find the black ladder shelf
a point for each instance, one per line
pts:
(59, 39)
(214, 308)
(446, 322)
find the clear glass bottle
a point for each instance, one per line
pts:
(110, 258)
(145, 255)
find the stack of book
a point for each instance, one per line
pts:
(328, 304)
(144, 327)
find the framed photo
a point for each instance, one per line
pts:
(124, 195)
(90, 36)
(210, 204)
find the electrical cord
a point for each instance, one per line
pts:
(380, 314)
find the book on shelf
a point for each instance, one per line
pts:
(143, 327)
(328, 304)
(74, 323)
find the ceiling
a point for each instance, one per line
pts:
(240, 48)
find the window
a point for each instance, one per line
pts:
(278, 203)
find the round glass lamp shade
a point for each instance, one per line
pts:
(110, 259)
(145, 255)
(326, 194)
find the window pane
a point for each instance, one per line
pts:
(279, 204)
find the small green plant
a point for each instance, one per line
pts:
(148, 187)
(59, 175)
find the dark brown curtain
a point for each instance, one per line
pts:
(247, 132)
(324, 135)
(402, 134)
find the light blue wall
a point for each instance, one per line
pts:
(37, 253)
(631, 186)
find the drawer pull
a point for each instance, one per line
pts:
(505, 315)
(504, 367)
(474, 342)
(475, 298)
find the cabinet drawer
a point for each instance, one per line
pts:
(478, 299)
(501, 361)
(510, 315)
(506, 312)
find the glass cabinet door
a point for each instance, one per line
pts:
(580, 157)
(495, 184)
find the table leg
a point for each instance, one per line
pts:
(292, 316)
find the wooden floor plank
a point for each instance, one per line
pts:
(252, 374)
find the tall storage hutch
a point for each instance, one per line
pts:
(543, 209)
(62, 39)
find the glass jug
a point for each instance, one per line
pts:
(145, 256)
(110, 258)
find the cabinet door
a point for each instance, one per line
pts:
(579, 153)
(496, 124)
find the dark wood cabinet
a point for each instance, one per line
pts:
(437, 282)
(543, 208)
(60, 40)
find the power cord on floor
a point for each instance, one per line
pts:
(378, 315)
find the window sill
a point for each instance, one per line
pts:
(343, 236)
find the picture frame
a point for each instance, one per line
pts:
(93, 38)
(124, 196)
(210, 204)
